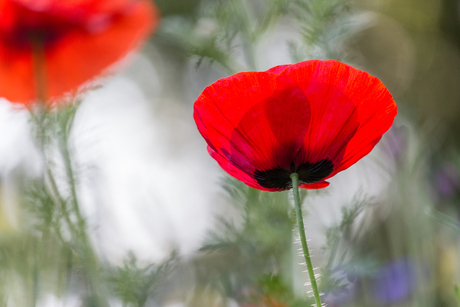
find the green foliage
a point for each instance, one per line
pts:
(457, 293)
(53, 248)
(266, 220)
(275, 288)
(323, 27)
(256, 252)
(261, 243)
(223, 30)
(134, 285)
(341, 261)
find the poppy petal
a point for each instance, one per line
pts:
(88, 13)
(91, 53)
(233, 170)
(350, 111)
(219, 109)
(278, 69)
(264, 135)
(254, 134)
(333, 114)
(16, 75)
(372, 127)
(314, 186)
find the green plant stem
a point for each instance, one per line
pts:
(246, 33)
(303, 240)
(443, 218)
(78, 229)
(38, 54)
(39, 60)
(457, 294)
(88, 251)
(39, 116)
(71, 178)
(35, 273)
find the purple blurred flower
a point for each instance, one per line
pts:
(446, 180)
(347, 291)
(396, 138)
(340, 297)
(394, 282)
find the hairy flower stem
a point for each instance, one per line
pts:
(306, 253)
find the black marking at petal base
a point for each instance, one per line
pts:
(314, 172)
(275, 178)
(292, 167)
(279, 178)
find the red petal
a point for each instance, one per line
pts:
(350, 111)
(254, 120)
(233, 170)
(221, 106)
(271, 132)
(82, 56)
(314, 186)
(16, 75)
(278, 69)
(237, 173)
(83, 12)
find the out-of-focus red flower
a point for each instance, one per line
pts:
(78, 39)
(315, 118)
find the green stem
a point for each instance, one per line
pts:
(71, 179)
(39, 60)
(79, 230)
(306, 253)
(246, 33)
(62, 204)
(35, 273)
(457, 294)
(38, 119)
(89, 254)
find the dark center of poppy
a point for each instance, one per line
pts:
(24, 35)
(279, 178)
(48, 26)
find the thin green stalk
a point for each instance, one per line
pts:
(62, 204)
(443, 218)
(35, 273)
(81, 223)
(39, 60)
(457, 294)
(78, 230)
(306, 253)
(71, 179)
(333, 253)
(39, 115)
(38, 54)
(38, 119)
(246, 33)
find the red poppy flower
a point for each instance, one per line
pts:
(315, 118)
(79, 39)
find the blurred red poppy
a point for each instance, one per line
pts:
(315, 118)
(78, 39)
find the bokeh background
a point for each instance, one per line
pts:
(169, 228)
